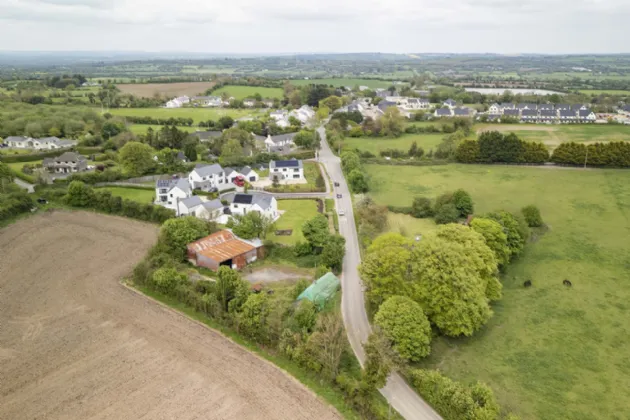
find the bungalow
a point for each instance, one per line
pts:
(169, 192)
(19, 142)
(208, 210)
(286, 170)
(211, 101)
(224, 248)
(450, 103)
(249, 102)
(207, 177)
(304, 114)
(247, 173)
(207, 136)
(243, 203)
(178, 102)
(443, 112)
(281, 140)
(68, 162)
(46, 143)
(187, 205)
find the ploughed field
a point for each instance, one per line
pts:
(75, 343)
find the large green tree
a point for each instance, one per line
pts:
(357, 181)
(79, 194)
(316, 231)
(333, 252)
(231, 291)
(495, 238)
(175, 234)
(136, 158)
(251, 225)
(350, 161)
(404, 322)
(232, 149)
(392, 122)
(517, 235)
(252, 320)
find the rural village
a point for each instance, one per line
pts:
(267, 238)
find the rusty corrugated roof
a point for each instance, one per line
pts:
(220, 246)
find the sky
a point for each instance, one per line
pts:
(285, 26)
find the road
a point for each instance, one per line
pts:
(29, 187)
(399, 394)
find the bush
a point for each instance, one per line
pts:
(400, 209)
(463, 202)
(446, 213)
(421, 208)
(166, 279)
(302, 249)
(177, 233)
(79, 194)
(532, 216)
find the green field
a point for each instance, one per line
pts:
(553, 135)
(604, 92)
(549, 352)
(296, 213)
(135, 194)
(376, 144)
(142, 128)
(409, 226)
(17, 166)
(197, 114)
(242, 92)
(371, 83)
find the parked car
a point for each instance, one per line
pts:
(341, 212)
(42, 201)
(338, 195)
(336, 184)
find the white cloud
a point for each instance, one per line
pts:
(326, 25)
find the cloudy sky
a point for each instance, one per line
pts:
(277, 26)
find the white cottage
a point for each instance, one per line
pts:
(243, 203)
(207, 177)
(168, 192)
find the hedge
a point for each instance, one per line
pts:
(409, 162)
(24, 177)
(400, 209)
(32, 157)
(88, 150)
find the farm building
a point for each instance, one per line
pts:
(224, 248)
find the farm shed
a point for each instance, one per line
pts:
(321, 289)
(224, 248)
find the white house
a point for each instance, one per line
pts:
(211, 101)
(281, 140)
(168, 192)
(286, 170)
(208, 210)
(443, 112)
(46, 143)
(178, 102)
(264, 203)
(247, 173)
(450, 103)
(249, 102)
(207, 177)
(304, 114)
(186, 206)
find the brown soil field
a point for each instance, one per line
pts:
(77, 344)
(148, 90)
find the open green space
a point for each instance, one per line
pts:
(197, 114)
(550, 351)
(242, 92)
(296, 212)
(371, 83)
(17, 166)
(376, 144)
(142, 128)
(144, 196)
(409, 226)
(604, 92)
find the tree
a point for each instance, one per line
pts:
(515, 239)
(532, 216)
(415, 151)
(252, 320)
(112, 128)
(357, 181)
(403, 321)
(316, 232)
(231, 150)
(79, 194)
(350, 161)
(305, 315)
(392, 122)
(190, 150)
(307, 139)
(495, 238)
(225, 122)
(175, 234)
(332, 102)
(380, 359)
(446, 213)
(421, 208)
(463, 202)
(327, 343)
(136, 158)
(230, 289)
(166, 279)
(333, 252)
(385, 268)
(251, 225)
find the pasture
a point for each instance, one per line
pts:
(605, 92)
(142, 128)
(376, 144)
(296, 212)
(142, 196)
(197, 114)
(371, 83)
(149, 90)
(242, 92)
(89, 347)
(549, 352)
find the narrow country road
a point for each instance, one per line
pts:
(397, 392)
(28, 187)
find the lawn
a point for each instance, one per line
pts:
(142, 128)
(139, 195)
(296, 213)
(17, 166)
(376, 144)
(553, 135)
(311, 171)
(549, 352)
(371, 83)
(409, 226)
(605, 92)
(242, 92)
(197, 114)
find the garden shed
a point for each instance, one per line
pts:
(321, 290)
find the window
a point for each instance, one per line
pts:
(252, 178)
(284, 170)
(171, 195)
(296, 175)
(235, 206)
(296, 170)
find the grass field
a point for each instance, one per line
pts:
(142, 128)
(549, 352)
(148, 90)
(553, 135)
(17, 166)
(242, 92)
(409, 226)
(376, 144)
(371, 83)
(197, 114)
(135, 194)
(296, 213)
(605, 92)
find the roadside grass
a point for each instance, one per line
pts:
(197, 114)
(242, 92)
(371, 83)
(296, 213)
(376, 144)
(549, 352)
(136, 194)
(142, 128)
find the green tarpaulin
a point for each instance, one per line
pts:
(321, 290)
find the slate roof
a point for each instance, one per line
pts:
(462, 112)
(545, 106)
(169, 184)
(442, 112)
(547, 112)
(383, 105)
(206, 135)
(16, 138)
(260, 199)
(511, 112)
(567, 113)
(69, 157)
(191, 202)
(283, 137)
(450, 102)
(208, 170)
(529, 113)
(292, 163)
(563, 106)
(212, 204)
(584, 112)
(246, 170)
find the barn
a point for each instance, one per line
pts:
(224, 248)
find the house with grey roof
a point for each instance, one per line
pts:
(169, 192)
(19, 142)
(46, 143)
(207, 177)
(209, 210)
(286, 171)
(279, 140)
(186, 205)
(246, 173)
(529, 115)
(66, 163)
(443, 112)
(243, 203)
(207, 136)
(567, 115)
(587, 115)
(450, 103)
(462, 111)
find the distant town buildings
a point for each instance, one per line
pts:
(543, 113)
(46, 143)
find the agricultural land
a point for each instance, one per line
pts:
(197, 114)
(149, 90)
(242, 92)
(78, 344)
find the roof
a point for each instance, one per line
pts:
(321, 289)
(246, 170)
(443, 111)
(220, 246)
(181, 183)
(292, 163)
(243, 199)
(584, 112)
(181, 156)
(462, 111)
(69, 157)
(205, 135)
(207, 170)
(510, 111)
(212, 204)
(263, 200)
(280, 138)
(567, 113)
(547, 112)
(450, 101)
(16, 138)
(529, 113)
(383, 105)
(191, 202)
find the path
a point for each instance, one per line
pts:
(29, 187)
(397, 392)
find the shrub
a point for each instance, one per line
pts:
(79, 194)
(166, 279)
(532, 216)
(463, 202)
(446, 213)
(421, 208)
